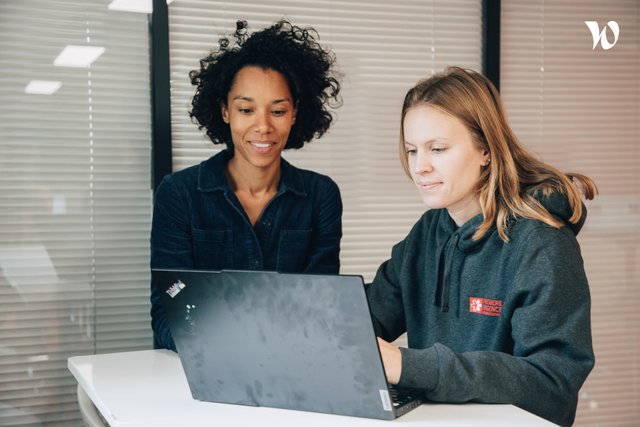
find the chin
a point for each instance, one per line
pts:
(263, 163)
(432, 204)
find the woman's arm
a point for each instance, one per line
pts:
(171, 247)
(324, 252)
(385, 297)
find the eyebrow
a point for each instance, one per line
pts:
(430, 141)
(248, 99)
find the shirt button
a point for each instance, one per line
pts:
(256, 263)
(266, 223)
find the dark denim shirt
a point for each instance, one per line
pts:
(198, 223)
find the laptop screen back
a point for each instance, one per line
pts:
(279, 340)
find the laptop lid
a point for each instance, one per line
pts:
(293, 341)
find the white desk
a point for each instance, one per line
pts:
(149, 388)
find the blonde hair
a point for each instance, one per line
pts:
(508, 183)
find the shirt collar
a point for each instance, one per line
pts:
(212, 175)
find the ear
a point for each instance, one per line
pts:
(295, 113)
(486, 158)
(225, 112)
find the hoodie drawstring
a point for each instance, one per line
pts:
(445, 266)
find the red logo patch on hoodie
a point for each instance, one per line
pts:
(488, 307)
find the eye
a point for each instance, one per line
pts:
(438, 149)
(244, 110)
(410, 151)
(279, 112)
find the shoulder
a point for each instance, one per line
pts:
(547, 261)
(179, 177)
(186, 174)
(529, 235)
(309, 175)
(206, 175)
(309, 181)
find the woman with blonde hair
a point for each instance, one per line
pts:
(489, 284)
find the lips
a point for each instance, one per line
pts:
(428, 185)
(261, 144)
(262, 147)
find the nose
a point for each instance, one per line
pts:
(263, 123)
(422, 163)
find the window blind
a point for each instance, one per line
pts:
(382, 49)
(578, 107)
(75, 200)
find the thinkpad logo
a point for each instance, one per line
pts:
(175, 288)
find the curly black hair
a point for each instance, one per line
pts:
(290, 50)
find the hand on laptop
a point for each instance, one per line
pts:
(392, 360)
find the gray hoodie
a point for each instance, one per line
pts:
(489, 321)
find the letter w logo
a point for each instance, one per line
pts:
(601, 36)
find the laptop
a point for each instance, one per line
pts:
(293, 341)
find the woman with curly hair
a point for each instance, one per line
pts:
(246, 208)
(489, 284)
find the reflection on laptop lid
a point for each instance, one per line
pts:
(293, 341)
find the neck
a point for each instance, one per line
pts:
(253, 180)
(465, 211)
